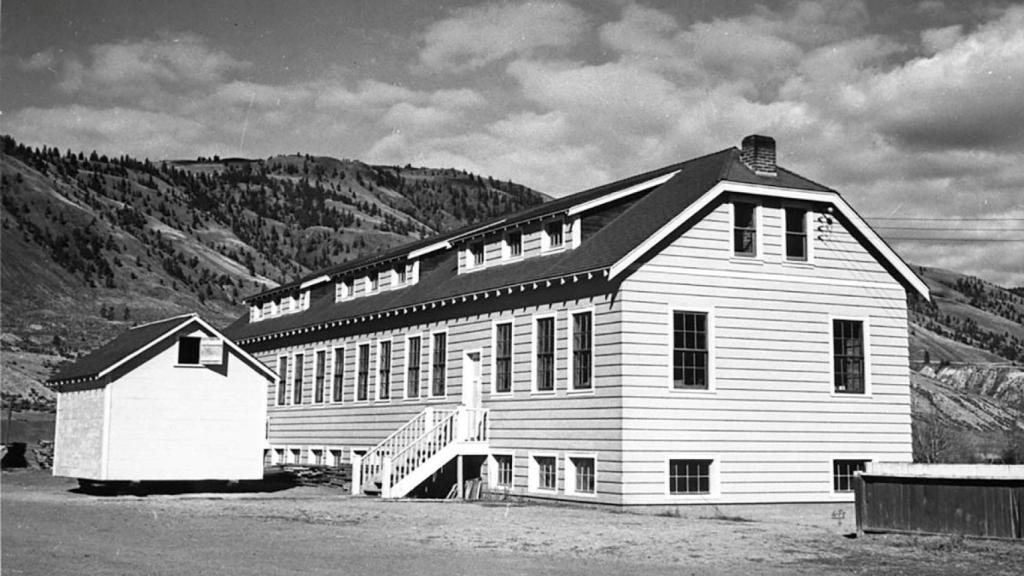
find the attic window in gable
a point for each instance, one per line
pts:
(744, 229)
(188, 350)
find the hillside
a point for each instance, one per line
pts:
(92, 245)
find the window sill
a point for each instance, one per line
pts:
(542, 392)
(544, 491)
(804, 264)
(747, 260)
(508, 394)
(194, 365)
(581, 494)
(695, 497)
(581, 391)
(693, 391)
(852, 395)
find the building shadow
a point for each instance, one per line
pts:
(274, 480)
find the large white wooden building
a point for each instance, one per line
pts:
(720, 330)
(169, 400)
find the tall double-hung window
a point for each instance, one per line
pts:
(690, 361)
(503, 357)
(318, 381)
(848, 356)
(412, 363)
(796, 234)
(544, 341)
(297, 387)
(363, 375)
(338, 375)
(439, 365)
(384, 371)
(582, 350)
(744, 228)
(282, 380)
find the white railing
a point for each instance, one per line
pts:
(372, 463)
(420, 439)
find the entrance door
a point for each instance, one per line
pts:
(471, 379)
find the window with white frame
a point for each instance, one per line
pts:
(384, 370)
(439, 365)
(282, 380)
(374, 281)
(544, 473)
(343, 290)
(297, 385)
(796, 234)
(412, 367)
(338, 375)
(544, 354)
(582, 350)
(744, 216)
(280, 456)
(503, 357)
(316, 457)
(476, 255)
(363, 372)
(295, 455)
(843, 472)
(580, 474)
(689, 476)
(501, 471)
(336, 458)
(319, 376)
(690, 351)
(848, 366)
(304, 300)
(255, 314)
(399, 275)
(554, 235)
(513, 247)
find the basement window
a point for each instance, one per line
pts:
(689, 476)
(843, 472)
(188, 350)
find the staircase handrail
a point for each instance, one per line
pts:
(455, 427)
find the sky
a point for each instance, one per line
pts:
(913, 111)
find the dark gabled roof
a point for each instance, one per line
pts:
(599, 252)
(128, 343)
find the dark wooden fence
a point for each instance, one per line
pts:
(971, 500)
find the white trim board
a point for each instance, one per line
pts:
(613, 196)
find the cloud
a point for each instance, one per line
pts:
(44, 60)
(476, 36)
(144, 70)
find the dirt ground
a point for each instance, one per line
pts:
(48, 527)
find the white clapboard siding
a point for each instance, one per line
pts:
(170, 422)
(559, 422)
(772, 423)
(78, 438)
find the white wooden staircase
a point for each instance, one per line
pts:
(407, 457)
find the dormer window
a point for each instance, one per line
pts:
(744, 229)
(255, 314)
(374, 281)
(343, 290)
(513, 245)
(286, 304)
(304, 300)
(476, 254)
(399, 275)
(554, 235)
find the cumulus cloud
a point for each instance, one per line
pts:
(475, 36)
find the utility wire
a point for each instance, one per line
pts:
(946, 219)
(914, 229)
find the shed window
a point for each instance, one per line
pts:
(690, 350)
(848, 356)
(796, 234)
(843, 472)
(188, 350)
(745, 229)
(689, 476)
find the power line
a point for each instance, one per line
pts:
(914, 229)
(946, 219)
(933, 239)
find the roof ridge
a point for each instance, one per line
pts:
(188, 315)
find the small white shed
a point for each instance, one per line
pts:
(169, 400)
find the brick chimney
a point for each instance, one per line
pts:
(758, 153)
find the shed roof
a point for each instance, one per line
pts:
(130, 343)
